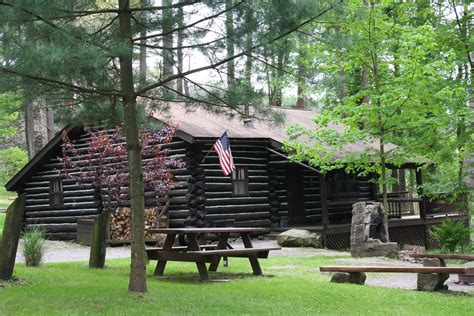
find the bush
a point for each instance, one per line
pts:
(33, 247)
(450, 234)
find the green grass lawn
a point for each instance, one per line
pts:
(2, 221)
(6, 198)
(292, 287)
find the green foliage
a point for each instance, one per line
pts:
(9, 107)
(33, 247)
(12, 159)
(450, 234)
(404, 100)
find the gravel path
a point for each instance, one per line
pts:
(60, 251)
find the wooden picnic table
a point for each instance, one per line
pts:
(202, 254)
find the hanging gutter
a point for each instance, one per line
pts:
(294, 161)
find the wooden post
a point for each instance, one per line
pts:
(324, 201)
(419, 183)
(11, 236)
(99, 241)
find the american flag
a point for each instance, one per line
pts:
(222, 148)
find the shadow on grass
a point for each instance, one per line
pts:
(214, 277)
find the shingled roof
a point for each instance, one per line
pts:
(197, 122)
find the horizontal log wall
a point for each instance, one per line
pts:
(59, 222)
(278, 166)
(252, 210)
(312, 196)
(80, 200)
(340, 202)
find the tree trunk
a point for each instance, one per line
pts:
(29, 126)
(142, 57)
(301, 100)
(168, 47)
(11, 236)
(137, 281)
(99, 241)
(50, 123)
(229, 27)
(277, 93)
(179, 53)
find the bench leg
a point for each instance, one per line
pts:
(193, 245)
(202, 271)
(252, 258)
(160, 266)
(222, 244)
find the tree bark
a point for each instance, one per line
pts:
(137, 282)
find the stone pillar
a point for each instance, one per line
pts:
(366, 225)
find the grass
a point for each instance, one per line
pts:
(292, 287)
(6, 198)
(2, 221)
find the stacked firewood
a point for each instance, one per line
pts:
(121, 223)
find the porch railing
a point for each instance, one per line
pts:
(402, 204)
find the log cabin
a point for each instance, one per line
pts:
(266, 189)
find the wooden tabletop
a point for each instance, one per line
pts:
(216, 230)
(443, 256)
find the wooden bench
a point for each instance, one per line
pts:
(241, 252)
(462, 278)
(429, 278)
(151, 252)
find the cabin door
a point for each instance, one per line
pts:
(295, 187)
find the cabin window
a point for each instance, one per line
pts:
(55, 192)
(240, 181)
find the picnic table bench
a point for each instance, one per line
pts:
(462, 278)
(202, 254)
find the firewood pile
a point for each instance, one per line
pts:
(121, 223)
